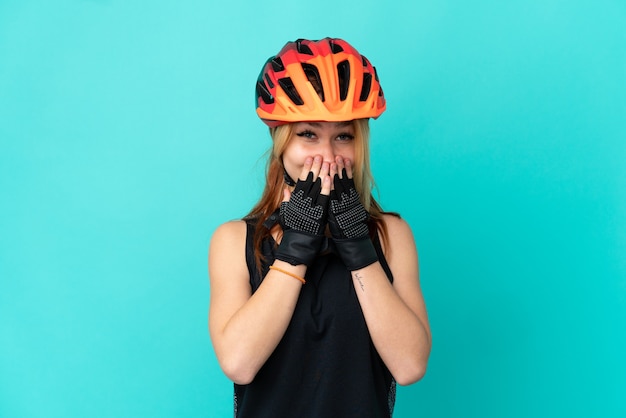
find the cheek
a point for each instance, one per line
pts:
(345, 152)
(293, 162)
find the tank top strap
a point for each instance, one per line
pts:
(267, 255)
(250, 225)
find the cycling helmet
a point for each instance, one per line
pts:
(325, 80)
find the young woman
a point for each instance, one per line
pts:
(316, 308)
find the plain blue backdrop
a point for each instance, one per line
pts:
(128, 133)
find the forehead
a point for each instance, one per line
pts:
(326, 125)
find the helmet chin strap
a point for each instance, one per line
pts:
(288, 178)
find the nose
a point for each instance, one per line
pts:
(327, 152)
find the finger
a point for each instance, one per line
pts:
(306, 168)
(286, 194)
(333, 169)
(326, 184)
(317, 165)
(333, 172)
(324, 173)
(325, 170)
(340, 165)
(348, 164)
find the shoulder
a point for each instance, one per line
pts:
(399, 245)
(228, 244)
(394, 221)
(230, 230)
(398, 230)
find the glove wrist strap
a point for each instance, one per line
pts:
(356, 253)
(298, 247)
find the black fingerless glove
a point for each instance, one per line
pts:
(347, 219)
(303, 219)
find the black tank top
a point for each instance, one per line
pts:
(326, 365)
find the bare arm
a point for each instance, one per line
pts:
(245, 329)
(396, 314)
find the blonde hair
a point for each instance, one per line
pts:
(273, 193)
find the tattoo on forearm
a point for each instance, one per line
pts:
(359, 277)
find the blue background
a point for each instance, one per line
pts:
(128, 133)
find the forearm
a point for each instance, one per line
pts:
(254, 331)
(400, 337)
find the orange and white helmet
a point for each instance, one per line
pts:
(326, 80)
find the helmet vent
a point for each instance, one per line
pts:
(364, 61)
(263, 93)
(302, 48)
(367, 85)
(343, 72)
(277, 64)
(287, 85)
(335, 48)
(269, 80)
(313, 75)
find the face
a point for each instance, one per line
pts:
(327, 139)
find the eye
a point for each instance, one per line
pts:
(345, 137)
(306, 134)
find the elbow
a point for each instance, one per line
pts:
(240, 378)
(413, 368)
(235, 363)
(243, 379)
(410, 373)
(408, 377)
(237, 371)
